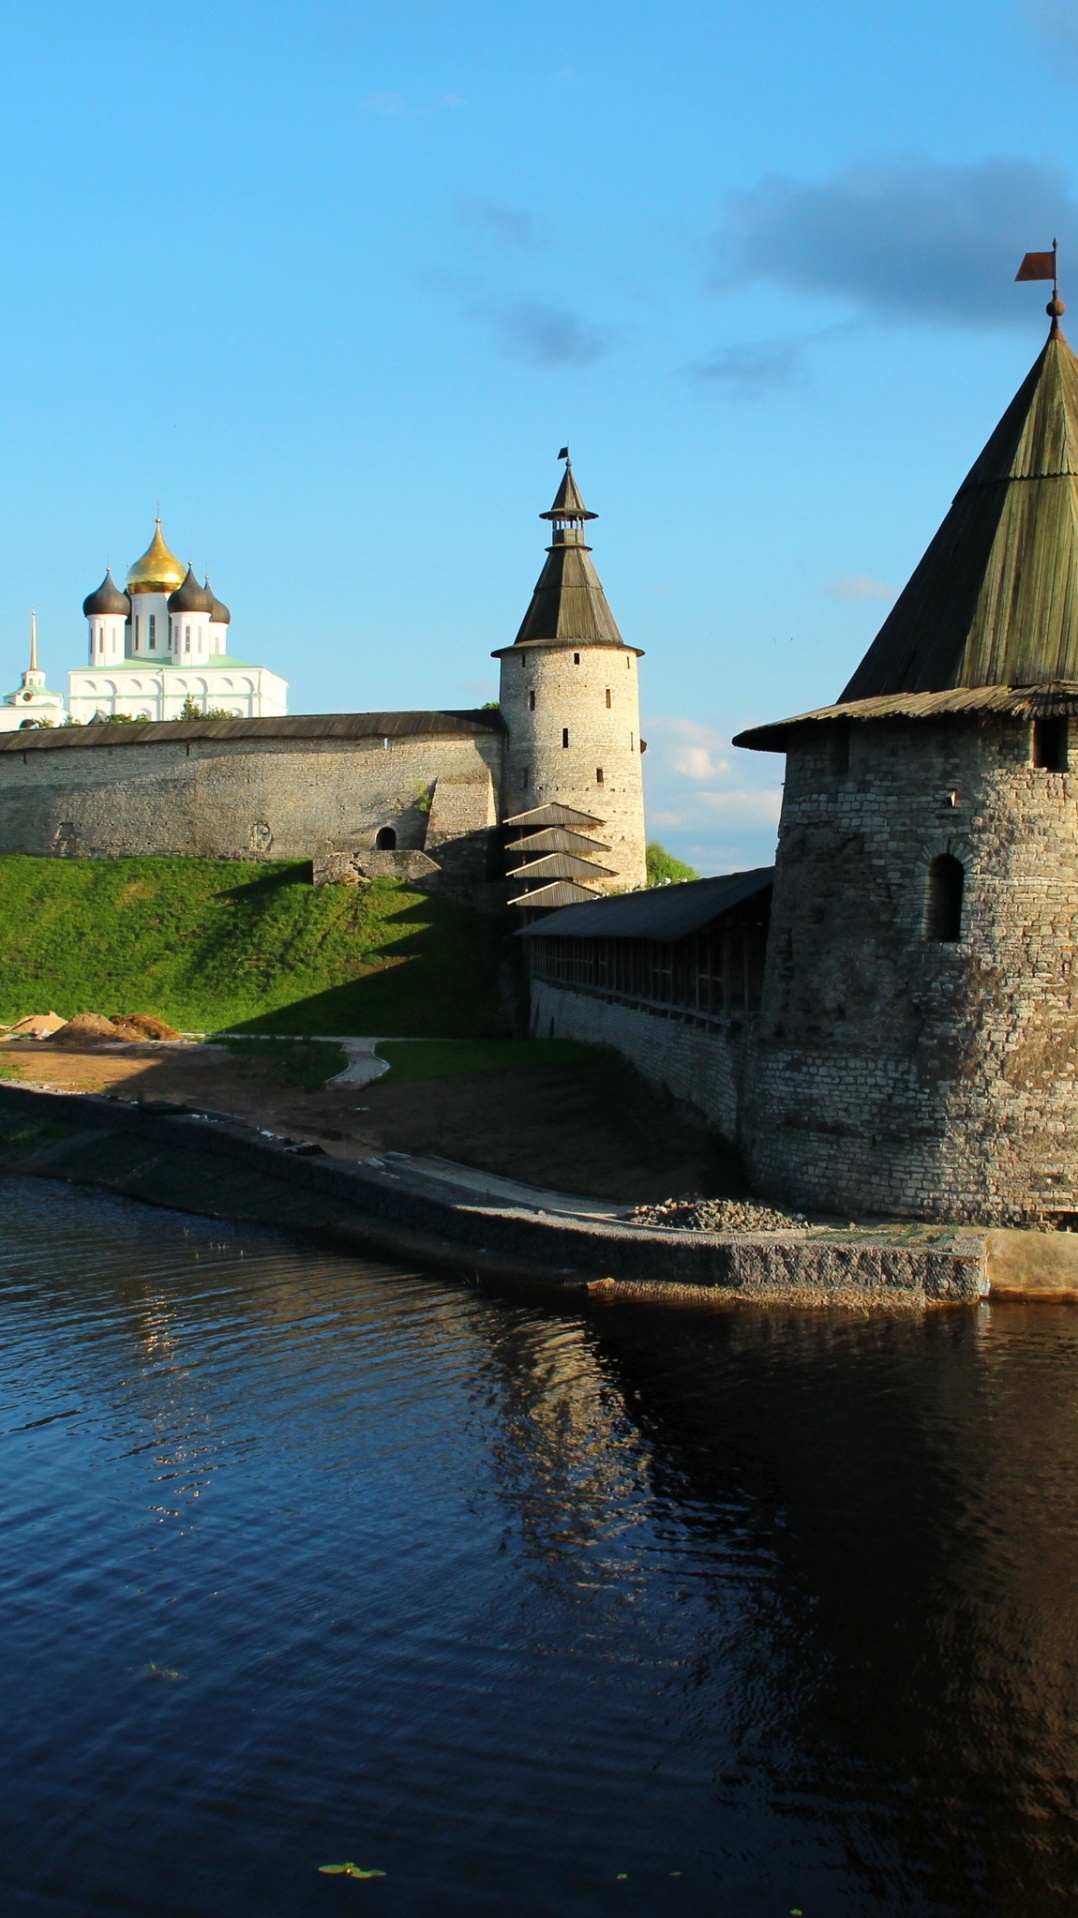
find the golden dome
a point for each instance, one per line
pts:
(158, 571)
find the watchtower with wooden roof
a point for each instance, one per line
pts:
(571, 706)
(918, 1044)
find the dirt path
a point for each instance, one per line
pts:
(593, 1129)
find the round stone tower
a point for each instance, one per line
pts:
(570, 701)
(918, 1044)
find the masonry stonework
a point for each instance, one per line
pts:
(703, 1066)
(240, 790)
(895, 1072)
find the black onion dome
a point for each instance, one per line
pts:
(220, 611)
(190, 597)
(107, 599)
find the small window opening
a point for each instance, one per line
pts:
(565, 735)
(523, 662)
(838, 750)
(608, 695)
(1050, 744)
(632, 738)
(153, 631)
(946, 883)
(576, 659)
(598, 775)
(531, 701)
(386, 840)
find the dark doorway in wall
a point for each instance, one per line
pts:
(946, 883)
(1050, 744)
(386, 840)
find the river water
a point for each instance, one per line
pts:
(306, 1560)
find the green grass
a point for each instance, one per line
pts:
(210, 944)
(435, 1059)
(302, 1065)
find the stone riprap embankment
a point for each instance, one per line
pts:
(435, 1214)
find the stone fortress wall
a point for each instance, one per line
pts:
(898, 1072)
(299, 788)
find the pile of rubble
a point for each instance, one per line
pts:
(695, 1214)
(93, 1026)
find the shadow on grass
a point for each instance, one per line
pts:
(437, 979)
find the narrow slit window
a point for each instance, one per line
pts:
(946, 885)
(608, 695)
(153, 631)
(531, 701)
(838, 750)
(576, 659)
(1050, 745)
(565, 735)
(598, 775)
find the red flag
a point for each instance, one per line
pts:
(1037, 266)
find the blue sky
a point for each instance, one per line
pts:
(334, 281)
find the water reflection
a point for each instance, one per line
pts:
(304, 1559)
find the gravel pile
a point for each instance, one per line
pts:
(694, 1214)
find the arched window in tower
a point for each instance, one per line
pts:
(385, 840)
(946, 884)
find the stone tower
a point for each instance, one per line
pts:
(918, 1044)
(571, 705)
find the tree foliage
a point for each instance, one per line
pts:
(664, 869)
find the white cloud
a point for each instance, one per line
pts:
(712, 805)
(858, 586)
(693, 750)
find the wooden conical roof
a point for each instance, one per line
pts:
(568, 606)
(994, 601)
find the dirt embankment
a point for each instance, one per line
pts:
(594, 1129)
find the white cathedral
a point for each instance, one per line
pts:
(156, 648)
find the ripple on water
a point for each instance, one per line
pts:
(304, 1559)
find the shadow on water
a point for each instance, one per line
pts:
(908, 1668)
(304, 1559)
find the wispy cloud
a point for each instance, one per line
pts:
(1055, 24)
(748, 372)
(691, 748)
(508, 226)
(540, 333)
(388, 106)
(716, 807)
(909, 239)
(858, 586)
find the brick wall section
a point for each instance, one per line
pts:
(894, 1074)
(262, 798)
(701, 1064)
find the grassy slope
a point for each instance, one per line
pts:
(210, 943)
